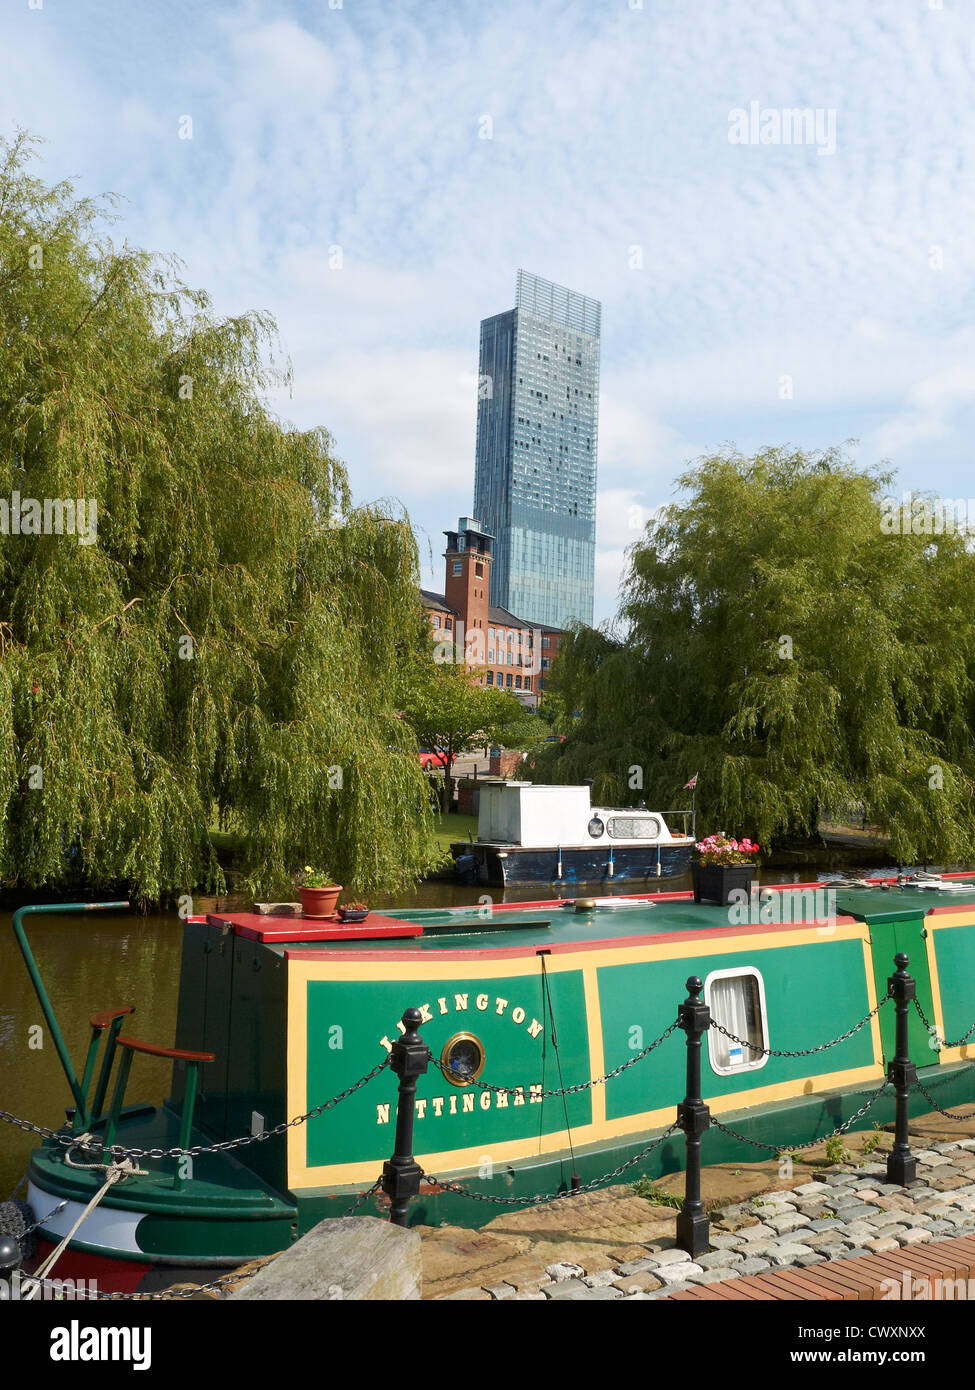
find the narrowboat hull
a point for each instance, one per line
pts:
(293, 1018)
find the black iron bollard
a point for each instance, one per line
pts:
(401, 1173)
(902, 1074)
(694, 1118)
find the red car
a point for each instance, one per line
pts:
(430, 759)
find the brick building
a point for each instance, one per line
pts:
(466, 626)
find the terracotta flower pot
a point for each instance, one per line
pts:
(319, 902)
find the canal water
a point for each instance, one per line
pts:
(91, 962)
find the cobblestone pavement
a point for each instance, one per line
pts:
(843, 1211)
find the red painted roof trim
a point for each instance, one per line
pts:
(255, 927)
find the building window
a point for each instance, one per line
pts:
(544, 663)
(517, 682)
(457, 566)
(545, 642)
(491, 654)
(479, 571)
(448, 623)
(508, 680)
(490, 677)
(511, 662)
(491, 633)
(736, 999)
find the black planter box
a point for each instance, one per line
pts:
(715, 883)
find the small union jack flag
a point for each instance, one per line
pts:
(689, 786)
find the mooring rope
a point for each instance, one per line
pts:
(87, 1141)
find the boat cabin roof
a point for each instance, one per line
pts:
(560, 923)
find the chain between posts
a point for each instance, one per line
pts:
(71, 1141)
(809, 1051)
(551, 1196)
(565, 1090)
(167, 1295)
(811, 1143)
(36, 1226)
(942, 1043)
(949, 1114)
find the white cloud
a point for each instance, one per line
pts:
(936, 409)
(408, 413)
(283, 59)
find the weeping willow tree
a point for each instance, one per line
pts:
(196, 625)
(803, 646)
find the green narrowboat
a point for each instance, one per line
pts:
(279, 1015)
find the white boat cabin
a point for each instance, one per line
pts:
(542, 817)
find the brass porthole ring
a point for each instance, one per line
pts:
(462, 1059)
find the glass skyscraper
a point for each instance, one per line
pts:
(535, 470)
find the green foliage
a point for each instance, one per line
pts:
(314, 878)
(874, 1141)
(836, 1151)
(232, 641)
(775, 639)
(450, 713)
(645, 1188)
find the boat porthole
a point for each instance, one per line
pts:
(596, 827)
(462, 1059)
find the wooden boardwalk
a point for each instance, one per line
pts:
(928, 1266)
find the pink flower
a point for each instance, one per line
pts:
(721, 849)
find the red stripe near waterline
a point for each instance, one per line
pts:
(111, 1275)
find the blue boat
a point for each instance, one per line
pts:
(553, 834)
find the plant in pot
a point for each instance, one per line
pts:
(723, 867)
(317, 892)
(354, 912)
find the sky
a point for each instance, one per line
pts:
(374, 172)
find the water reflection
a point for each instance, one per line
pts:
(88, 963)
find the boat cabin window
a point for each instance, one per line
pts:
(736, 999)
(634, 828)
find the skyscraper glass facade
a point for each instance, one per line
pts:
(535, 469)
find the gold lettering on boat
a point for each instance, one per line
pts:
(482, 1002)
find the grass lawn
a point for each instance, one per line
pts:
(454, 827)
